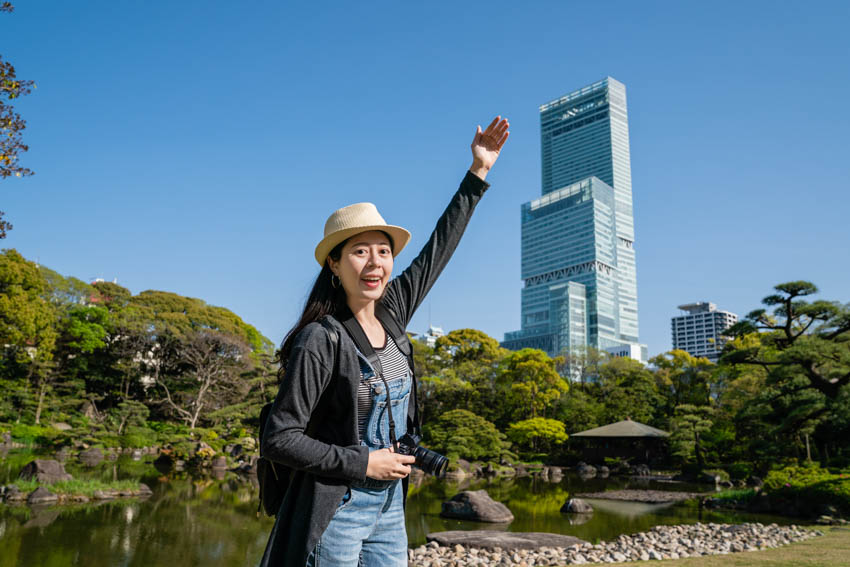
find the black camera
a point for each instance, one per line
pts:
(427, 460)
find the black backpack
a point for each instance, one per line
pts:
(274, 477)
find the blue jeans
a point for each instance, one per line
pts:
(367, 529)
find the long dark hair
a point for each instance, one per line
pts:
(324, 299)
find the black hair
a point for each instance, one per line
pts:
(324, 299)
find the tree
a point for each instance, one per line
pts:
(810, 339)
(27, 321)
(580, 410)
(583, 363)
(538, 433)
(683, 378)
(535, 384)
(462, 434)
(11, 123)
(215, 361)
(689, 423)
(628, 389)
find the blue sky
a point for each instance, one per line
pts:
(198, 147)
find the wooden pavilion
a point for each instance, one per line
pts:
(625, 439)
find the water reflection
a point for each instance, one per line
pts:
(212, 520)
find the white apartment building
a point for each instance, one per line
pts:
(698, 330)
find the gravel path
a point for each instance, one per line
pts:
(661, 542)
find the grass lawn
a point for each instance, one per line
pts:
(830, 550)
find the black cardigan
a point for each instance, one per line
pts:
(326, 456)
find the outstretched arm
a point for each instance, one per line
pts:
(486, 146)
(406, 292)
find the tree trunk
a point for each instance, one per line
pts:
(41, 393)
(698, 451)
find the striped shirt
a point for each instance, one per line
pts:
(394, 364)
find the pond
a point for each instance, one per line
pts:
(196, 520)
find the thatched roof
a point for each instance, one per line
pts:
(625, 428)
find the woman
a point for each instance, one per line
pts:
(329, 424)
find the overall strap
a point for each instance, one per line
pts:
(391, 323)
(362, 341)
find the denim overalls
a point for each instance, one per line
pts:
(368, 528)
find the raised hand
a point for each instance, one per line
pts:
(486, 146)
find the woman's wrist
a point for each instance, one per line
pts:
(479, 170)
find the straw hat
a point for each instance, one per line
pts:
(354, 219)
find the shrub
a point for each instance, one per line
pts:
(462, 434)
(811, 488)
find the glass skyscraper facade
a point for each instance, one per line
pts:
(578, 260)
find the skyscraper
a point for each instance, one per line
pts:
(578, 260)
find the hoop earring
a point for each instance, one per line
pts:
(335, 284)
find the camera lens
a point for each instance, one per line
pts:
(430, 462)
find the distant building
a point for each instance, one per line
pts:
(578, 258)
(699, 330)
(633, 351)
(431, 335)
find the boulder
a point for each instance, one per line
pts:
(585, 471)
(476, 506)
(12, 493)
(755, 481)
(7, 438)
(41, 495)
(91, 457)
(144, 489)
(490, 539)
(576, 506)
(708, 478)
(136, 455)
(44, 471)
(521, 471)
(61, 426)
(604, 471)
(219, 462)
(62, 454)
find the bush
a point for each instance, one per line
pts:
(462, 434)
(33, 434)
(811, 488)
(138, 437)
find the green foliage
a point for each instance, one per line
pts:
(809, 484)
(538, 433)
(535, 383)
(689, 423)
(739, 471)
(76, 486)
(580, 410)
(27, 319)
(462, 434)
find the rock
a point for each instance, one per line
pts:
(586, 471)
(103, 495)
(44, 471)
(136, 455)
(13, 494)
(495, 540)
(521, 471)
(144, 489)
(576, 506)
(604, 471)
(41, 495)
(755, 481)
(7, 438)
(477, 506)
(91, 457)
(62, 454)
(219, 463)
(61, 426)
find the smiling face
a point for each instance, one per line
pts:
(364, 267)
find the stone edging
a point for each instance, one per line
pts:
(661, 542)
